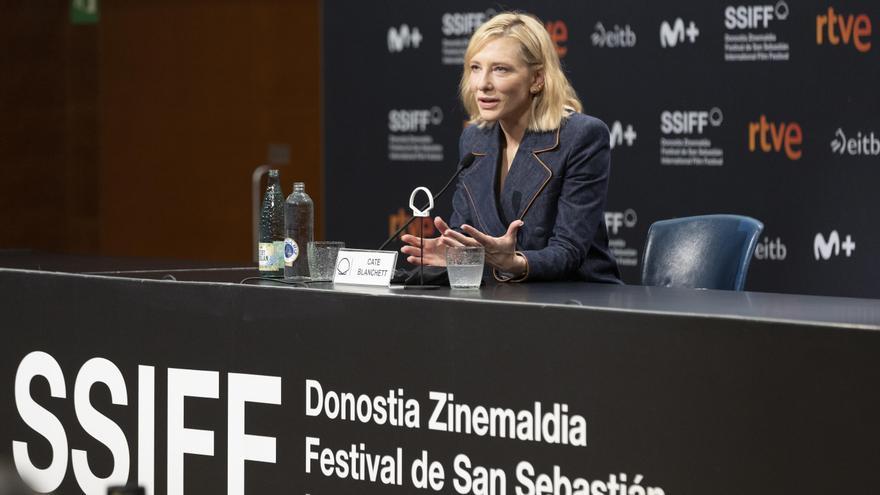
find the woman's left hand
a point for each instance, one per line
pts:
(500, 251)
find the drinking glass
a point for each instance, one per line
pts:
(322, 259)
(465, 266)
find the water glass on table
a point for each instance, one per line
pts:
(322, 259)
(465, 266)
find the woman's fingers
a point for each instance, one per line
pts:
(450, 242)
(513, 228)
(441, 225)
(411, 250)
(480, 237)
(411, 240)
(462, 239)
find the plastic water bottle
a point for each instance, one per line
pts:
(271, 245)
(299, 230)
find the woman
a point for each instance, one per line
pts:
(534, 196)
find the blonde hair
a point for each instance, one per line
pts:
(555, 101)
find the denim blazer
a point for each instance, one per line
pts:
(557, 185)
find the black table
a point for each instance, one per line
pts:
(681, 390)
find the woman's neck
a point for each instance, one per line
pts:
(514, 130)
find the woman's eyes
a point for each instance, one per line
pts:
(497, 68)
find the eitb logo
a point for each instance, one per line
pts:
(858, 144)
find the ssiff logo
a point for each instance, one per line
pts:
(840, 28)
(614, 220)
(672, 35)
(824, 249)
(413, 120)
(403, 37)
(456, 29)
(690, 121)
(463, 23)
(776, 137)
(621, 135)
(754, 16)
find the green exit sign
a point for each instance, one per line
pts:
(84, 11)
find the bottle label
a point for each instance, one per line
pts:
(278, 250)
(266, 255)
(291, 252)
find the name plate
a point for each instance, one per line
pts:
(365, 267)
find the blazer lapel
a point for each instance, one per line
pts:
(479, 184)
(528, 174)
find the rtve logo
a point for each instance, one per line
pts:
(754, 16)
(403, 37)
(823, 249)
(671, 35)
(689, 122)
(463, 23)
(614, 220)
(558, 32)
(844, 28)
(413, 120)
(621, 135)
(776, 137)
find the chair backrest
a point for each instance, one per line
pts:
(708, 251)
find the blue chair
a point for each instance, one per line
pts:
(707, 252)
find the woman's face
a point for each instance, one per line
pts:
(501, 82)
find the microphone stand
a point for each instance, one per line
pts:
(465, 163)
(421, 213)
(422, 253)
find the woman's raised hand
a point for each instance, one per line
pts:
(500, 251)
(434, 250)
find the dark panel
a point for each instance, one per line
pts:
(826, 90)
(693, 404)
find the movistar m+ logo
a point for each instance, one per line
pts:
(403, 37)
(675, 33)
(824, 249)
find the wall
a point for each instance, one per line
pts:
(707, 113)
(48, 130)
(138, 135)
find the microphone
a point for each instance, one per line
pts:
(465, 162)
